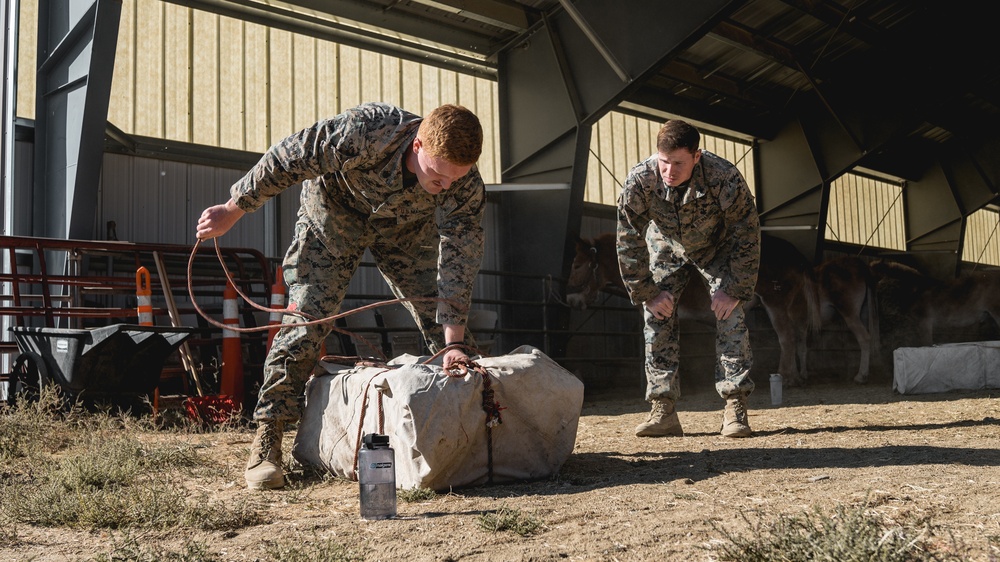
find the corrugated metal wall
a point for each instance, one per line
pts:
(621, 141)
(982, 237)
(866, 211)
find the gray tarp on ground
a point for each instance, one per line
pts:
(940, 368)
(436, 424)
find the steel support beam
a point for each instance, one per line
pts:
(77, 40)
(8, 111)
(554, 85)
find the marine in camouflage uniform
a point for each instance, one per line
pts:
(358, 194)
(708, 225)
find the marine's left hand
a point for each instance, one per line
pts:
(723, 305)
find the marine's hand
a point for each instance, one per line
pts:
(723, 305)
(454, 357)
(661, 306)
(217, 220)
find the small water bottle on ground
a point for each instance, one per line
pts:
(377, 477)
(776, 389)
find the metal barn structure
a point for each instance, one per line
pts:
(143, 112)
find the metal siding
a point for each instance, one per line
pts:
(177, 60)
(144, 219)
(866, 212)
(621, 141)
(174, 221)
(982, 243)
(232, 114)
(349, 78)
(27, 58)
(115, 197)
(328, 81)
(370, 76)
(487, 111)
(305, 110)
(391, 83)
(206, 76)
(149, 87)
(281, 86)
(257, 104)
(121, 109)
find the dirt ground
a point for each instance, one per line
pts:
(619, 497)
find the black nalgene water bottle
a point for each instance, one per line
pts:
(377, 477)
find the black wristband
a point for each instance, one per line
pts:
(454, 343)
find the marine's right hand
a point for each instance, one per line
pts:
(661, 306)
(218, 219)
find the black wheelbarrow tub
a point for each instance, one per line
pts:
(120, 359)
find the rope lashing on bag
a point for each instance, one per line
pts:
(361, 418)
(493, 419)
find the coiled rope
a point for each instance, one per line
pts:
(308, 320)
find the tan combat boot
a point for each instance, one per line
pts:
(735, 422)
(662, 421)
(264, 467)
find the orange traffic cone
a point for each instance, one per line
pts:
(143, 296)
(278, 293)
(232, 348)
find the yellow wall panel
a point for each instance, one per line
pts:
(486, 110)
(281, 86)
(304, 110)
(866, 212)
(448, 87)
(350, 72)
(27, 58)
(327, 68)
(619, 165)
(392, 80)
(605, 155)
(149, 86)
(177, 57)
(121, 106)
(982, 237)
(630, 144)
(466, 92)
(257, 104)
(430, 90)
(231, 84)
(205, 79)
(411, 86)
(370, 76)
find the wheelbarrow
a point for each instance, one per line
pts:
(119, 364)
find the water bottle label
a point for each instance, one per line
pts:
(380, 465)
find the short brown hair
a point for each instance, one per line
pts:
(676, 134)
(453, 133)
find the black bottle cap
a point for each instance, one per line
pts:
(375, 441)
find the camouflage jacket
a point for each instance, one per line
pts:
(713, 224)
(356, 160)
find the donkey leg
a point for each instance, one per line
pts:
(864, 342)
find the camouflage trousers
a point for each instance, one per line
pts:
(732, 346)
(318, 273)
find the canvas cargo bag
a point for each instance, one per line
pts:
(442, 434)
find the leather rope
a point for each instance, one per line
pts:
(308, 319)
